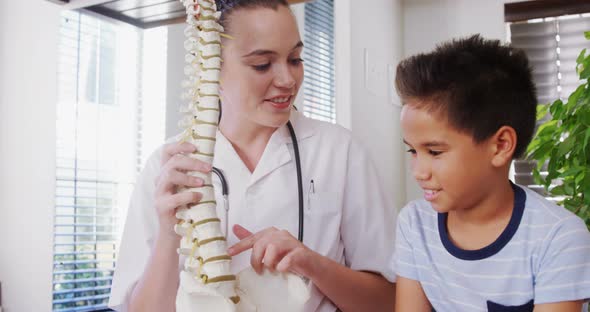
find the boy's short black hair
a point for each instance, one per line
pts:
(478, 85)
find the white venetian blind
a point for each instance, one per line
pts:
(318, 86)
(99, 146)
(552, 46)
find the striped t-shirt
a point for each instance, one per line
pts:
(542, 256)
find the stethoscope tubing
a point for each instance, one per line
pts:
(225, 190)
(299, 179)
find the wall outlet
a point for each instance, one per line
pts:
(379, 77)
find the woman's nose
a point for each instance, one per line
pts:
(284, 78)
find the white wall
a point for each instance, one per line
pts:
(428, 22)
(28, 58)
(366, 56)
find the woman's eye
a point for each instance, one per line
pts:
(262, 67)
(296, 61)
(434, 153)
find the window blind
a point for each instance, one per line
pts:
(318, 85)
(99, 146)
(552, 46)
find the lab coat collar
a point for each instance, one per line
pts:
(226, 158)
(277, 152)
(303, 127)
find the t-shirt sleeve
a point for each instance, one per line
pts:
(368, 220)
(404, 259)
(563, 272)
(138, 236)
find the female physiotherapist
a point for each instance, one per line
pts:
(349, 223)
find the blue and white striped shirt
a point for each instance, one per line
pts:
(542, 256)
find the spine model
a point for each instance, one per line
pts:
(207, 265)
(206, 281)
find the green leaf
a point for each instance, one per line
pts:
(547, 129)
(569, 205)
(565, 146)
(586, 139)
(580, 177)
(572, 172)
(585, 98)
(532, 146)
(556, 108)
(542, 110)
(586, 187)
(581, 55)
(558, 190)
(572, 100)
(584, 70)
(568, 188)
(585, 117)
(543, 151)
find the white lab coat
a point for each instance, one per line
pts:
(347, 218)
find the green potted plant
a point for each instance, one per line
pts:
(561, 145)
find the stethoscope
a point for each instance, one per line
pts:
(225, 191)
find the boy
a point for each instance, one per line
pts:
(477, 242)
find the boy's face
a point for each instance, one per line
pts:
(449, 166)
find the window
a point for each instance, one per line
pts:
(100, 146)
(552, 45)
(318, 86)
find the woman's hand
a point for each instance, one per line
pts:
(350, 290)
(173, 173)
(275, 250)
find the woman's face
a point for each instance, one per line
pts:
(262, 69)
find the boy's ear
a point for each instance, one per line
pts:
(503, 144)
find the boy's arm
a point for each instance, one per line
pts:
(410, 296)
(565, 306)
